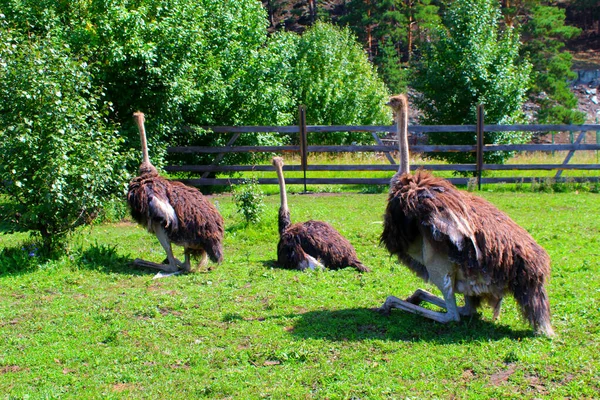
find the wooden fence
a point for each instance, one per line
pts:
(304, 149)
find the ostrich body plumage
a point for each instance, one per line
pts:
(462, 244)
(310, 244)
(186, 216)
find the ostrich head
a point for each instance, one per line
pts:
(399, 105)
(277, 162)
(397, 102)
(146, 168)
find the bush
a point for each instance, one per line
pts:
(58, 155)
(249, 200)
(338, 85)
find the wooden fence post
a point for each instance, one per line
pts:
(570, 153)
(303, 141)
(479, 128)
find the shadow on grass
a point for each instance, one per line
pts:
(107, 259)
(18, 260)
(27, 258)
(358, 324)
(273, 264)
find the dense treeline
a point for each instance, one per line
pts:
(73, 72)
(394, 33)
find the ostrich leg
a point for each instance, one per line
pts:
(173, 267)
(421, 295)
(452, 313)
(187, 265)
(310, 262)
(441, 274)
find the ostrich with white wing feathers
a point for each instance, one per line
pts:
(462, 244)
(175, 213)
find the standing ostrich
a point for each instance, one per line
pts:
(460, 243)
(175, 213)
(303, 244)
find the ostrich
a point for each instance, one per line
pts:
(175, 213)
(460, 243)
(310, 244)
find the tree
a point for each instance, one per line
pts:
(551, 65)
(333, 78)
(390, 30)
(184, 63)
(470, 61)
(59, 163)
(192, 63)
(545, 32)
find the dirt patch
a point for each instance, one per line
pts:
(502, 376)
(468, 374)
(536, 384)
(123, 387)
(11, 368)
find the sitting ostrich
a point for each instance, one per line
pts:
(175, 213)
(310, 244)
(460, 243)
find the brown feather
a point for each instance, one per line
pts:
(187, 218)
(200, 226)
(319, 240)
(316, 239)
(488, 247)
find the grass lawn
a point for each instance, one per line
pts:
(90, 326)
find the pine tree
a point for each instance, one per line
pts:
(551, 65)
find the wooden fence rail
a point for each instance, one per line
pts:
(304, 149)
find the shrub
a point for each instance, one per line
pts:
(58, 155)
(338, 85)
(249, 200)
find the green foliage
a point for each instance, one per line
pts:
(249, 200)
(188, 63)
(335, 81)
(552, 65)
(470, 61)
(390, 30)
(58, 156)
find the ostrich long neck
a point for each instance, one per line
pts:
(282, 193)
(402, 128)
(139, 120)
(284, 212)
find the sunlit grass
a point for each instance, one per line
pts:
(88, 325)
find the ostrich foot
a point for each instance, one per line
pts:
(164, 269)
(149, 264)
(162, 274)
(394, 302)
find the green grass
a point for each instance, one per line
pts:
(88, 325)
